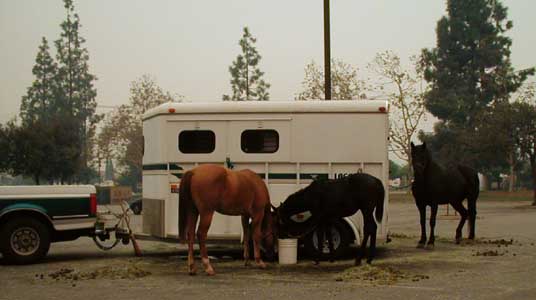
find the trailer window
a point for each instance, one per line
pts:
(259, 141)
(197, 141)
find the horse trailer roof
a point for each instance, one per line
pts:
(232, 107)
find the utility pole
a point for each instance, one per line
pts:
(327, 53)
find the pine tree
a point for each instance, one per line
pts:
(39, 101)
(246, 77)
(77, 95)
(470, 69)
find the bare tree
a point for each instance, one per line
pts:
(121, 137)
(345, 83)
(404, 88)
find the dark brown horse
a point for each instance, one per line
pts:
(331, 200)
(434, 185)
(209, 188)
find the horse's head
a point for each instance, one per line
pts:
(293, 218)
(269, 234)
(420, 158)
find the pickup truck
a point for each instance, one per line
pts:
(32, 217)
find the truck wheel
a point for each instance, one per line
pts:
(339, 235)
(24, 240)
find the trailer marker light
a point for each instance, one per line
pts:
(93, 204)
(382, 109)
(171, 110)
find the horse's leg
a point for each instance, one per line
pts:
(247, 234)
(433, 215)
(204, 225)
(471, 205)
(190, 224)
(372, 232)
(327, 230)
(320, 242)
(366, 234)
(422, 214)
(257, 238)
(458, 206)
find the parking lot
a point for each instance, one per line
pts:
(501, 264)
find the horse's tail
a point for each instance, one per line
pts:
(379, 203)
(186, 204)
(473, 187)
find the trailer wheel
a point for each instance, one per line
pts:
(339, 235)
(24, 240)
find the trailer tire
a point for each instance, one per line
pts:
(341, 239)
(24, 240)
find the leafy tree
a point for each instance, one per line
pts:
(345, 84)
(405, 91)
(39, 101)
(5, 161)
(394, 170)
(496, 140)
(37, 149)
(76, 93)
(246, 77)
(525, 135)
(469, 69)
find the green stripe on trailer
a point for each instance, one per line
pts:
(282, 175)
(176, 166)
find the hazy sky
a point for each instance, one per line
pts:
(189, 45)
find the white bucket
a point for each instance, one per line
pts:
(288, 251)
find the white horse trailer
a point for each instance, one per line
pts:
(287, 143)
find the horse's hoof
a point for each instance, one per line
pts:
(192, 270)
(430, 247)
(369, 261)
(246, 263)
(458, 241)
(420, 245)
(357, 262)
(261, 265)
(210, 271)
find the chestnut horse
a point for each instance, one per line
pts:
(209, 188)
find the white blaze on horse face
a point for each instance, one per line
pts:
(301, 217)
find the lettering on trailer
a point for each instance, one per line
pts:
(342, 175)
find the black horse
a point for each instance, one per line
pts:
(329, 200)
(434, 185)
